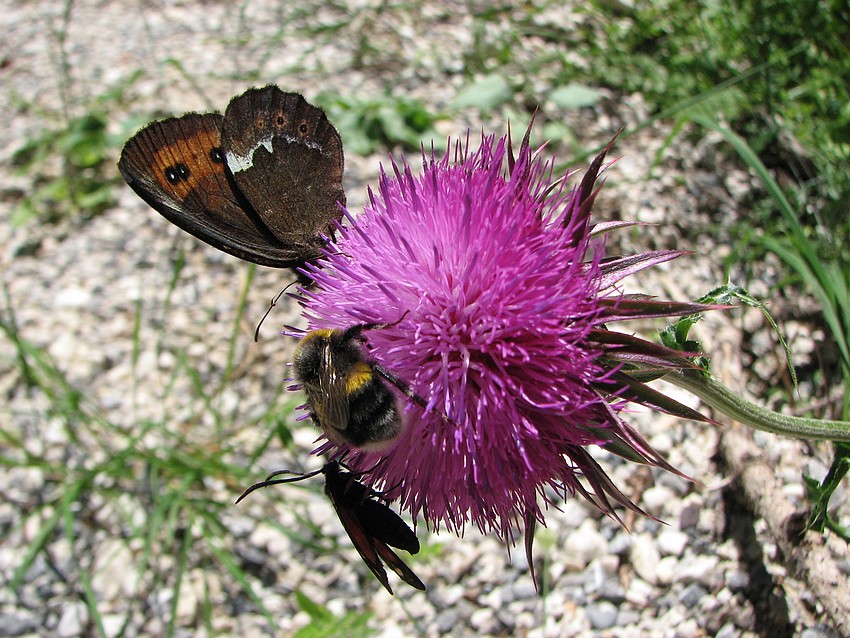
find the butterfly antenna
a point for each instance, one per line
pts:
(273, 303)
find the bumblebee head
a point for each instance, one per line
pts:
(320, 349)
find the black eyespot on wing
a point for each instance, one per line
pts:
(177, 173)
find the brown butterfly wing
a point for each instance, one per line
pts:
(178, 168)
(286, 158)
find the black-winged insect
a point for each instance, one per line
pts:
(371, 525)
(346, 393)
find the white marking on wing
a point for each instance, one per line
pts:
(238, 163)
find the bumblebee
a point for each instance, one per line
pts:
(346, 393)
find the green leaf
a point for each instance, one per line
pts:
(574, 96)
(313, 609)
(820, 493)
(486, 92)
(325, 625)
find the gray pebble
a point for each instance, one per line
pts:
(737, 580)
(819, 631)
(17, 624)
(446, 621)
(692, 594)
(612, 591)
(667, 601)
(689, 515)
(677, 484)
(507, 619)
(627, 616)
(576, 595)
(602, 614)
(523, 589)
(621, 543)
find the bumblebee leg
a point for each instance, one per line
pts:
(408, 392)
(355, 332)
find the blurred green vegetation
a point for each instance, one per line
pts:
(781, 71)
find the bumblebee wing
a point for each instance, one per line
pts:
(329, 396)
(360, 538)
(397, 565)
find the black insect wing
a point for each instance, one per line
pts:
(372, 527)
(379, 521)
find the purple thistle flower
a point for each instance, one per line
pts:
(500, 302)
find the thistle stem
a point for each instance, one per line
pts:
(718, 396)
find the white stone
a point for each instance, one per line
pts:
(113, 573)
(672, 542)
(644, 557)
(74, 616)
(688, 628)
(698, 569)
(656, 498)
(484, 621)
(73, 298)
(666, 571)
(585, 544)
(640, 592)
(113, 624)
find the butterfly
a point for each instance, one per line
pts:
(263, 182)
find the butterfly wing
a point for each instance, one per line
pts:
(178, 167)
(286, 158)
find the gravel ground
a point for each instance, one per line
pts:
(94, 294)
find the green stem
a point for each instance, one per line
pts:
(716, 395)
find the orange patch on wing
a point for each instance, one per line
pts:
(194, 153)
